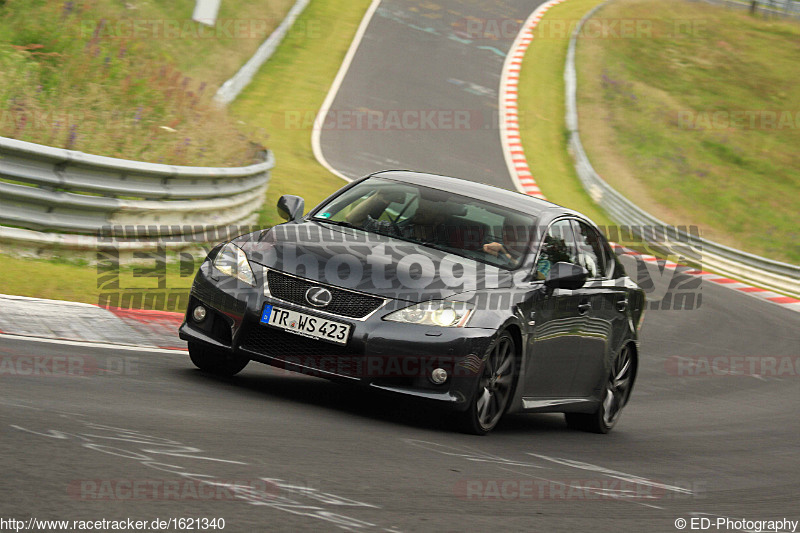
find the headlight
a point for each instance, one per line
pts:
(232, 261)
(434, 313)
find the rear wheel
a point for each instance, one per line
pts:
(616, 392)
(214, 361)
(494, 388)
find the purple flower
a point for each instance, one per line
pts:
(98, 29)
(73, 135)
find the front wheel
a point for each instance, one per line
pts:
(616, 392)
(215, 362)
(495, 386)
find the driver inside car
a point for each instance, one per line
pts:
(425, 225)
(515, 241)
(428, 225)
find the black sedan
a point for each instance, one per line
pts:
(474, 298)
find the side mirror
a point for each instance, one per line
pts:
(290, 207)
(566, 276)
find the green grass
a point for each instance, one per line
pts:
(541, 110)
(128, 79)
(649, 103)
(56, 280)
(323, 35)
(295, 84)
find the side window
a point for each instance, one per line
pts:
(613, 266)
(591, 255)
(558, 245)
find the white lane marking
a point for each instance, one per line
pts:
(614, 495)
(22, 406)
(613, 473)
(469, 455)
(304, 501)
(59, 302)
(89, 344)
(316, 132)
(502, 463)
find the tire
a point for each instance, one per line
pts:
(494, 388)
(616, 392)
(215, 362)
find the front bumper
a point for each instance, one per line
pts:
(379, 354)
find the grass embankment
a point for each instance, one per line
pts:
(128, 79)
(694, 116)
(541, 110)
(296, 78)
(286, 96)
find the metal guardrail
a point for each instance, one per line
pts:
(231, 88)
(782, 277)
(784, 8)
(52, 197)
(777, 7)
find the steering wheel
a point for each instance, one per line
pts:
(396, 222)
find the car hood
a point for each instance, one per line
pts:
(367, 262)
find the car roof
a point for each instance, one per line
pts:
(480, 191)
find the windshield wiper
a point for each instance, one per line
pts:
(341, 223)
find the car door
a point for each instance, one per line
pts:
(556, 337)
(602, 302)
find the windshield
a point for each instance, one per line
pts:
(456, 224)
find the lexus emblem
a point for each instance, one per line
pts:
(318, 296)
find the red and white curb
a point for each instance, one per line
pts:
(525, 182)
(750, 290)
(509, 107)
(90, 324)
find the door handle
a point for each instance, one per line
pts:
(622, 305)
(584, 307)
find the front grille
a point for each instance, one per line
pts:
(310, 353)
(343, 303)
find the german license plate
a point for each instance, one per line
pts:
(306, 325)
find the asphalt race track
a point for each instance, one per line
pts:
(142, 434)
(421, 95)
